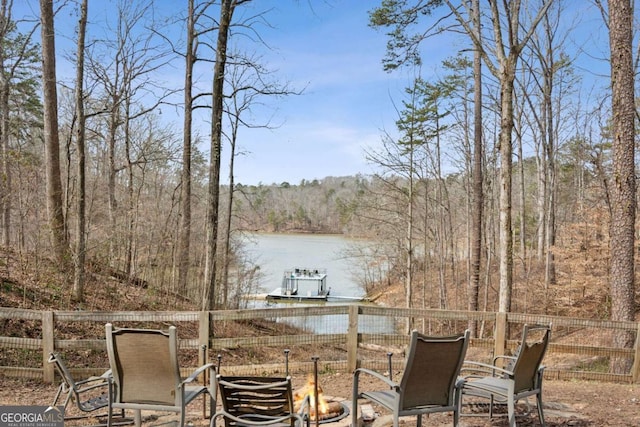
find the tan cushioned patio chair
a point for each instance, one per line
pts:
(428, 383)
(146, 374)
(522, 376)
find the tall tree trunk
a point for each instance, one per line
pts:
(550, 154)
(185, 190)
(522, 213)
(5, 87)
(5, 185)
(443, 218)
(506, 151)
(550, 229)
(226, 244)
(478, 194)
(226, 249)
(427, 288)
(130, 217)
(209, 294)
(114, 118)
(51, 139)
(79, 258)
(408, 284)
(623, 180)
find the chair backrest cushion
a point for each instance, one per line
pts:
(144, 366)
(529, 359)
(431, 370)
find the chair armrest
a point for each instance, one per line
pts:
(379, 376)
(102, 378)
(539, 376)
(502, 356)
(93, 382)
(197, 372)
(106, 374)
(477, 369)
(90, 385)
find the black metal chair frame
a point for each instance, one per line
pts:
(259, 402)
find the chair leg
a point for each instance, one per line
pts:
(511, 411)
(58, 393)
(137, 418)
(354, 404)
(539, 403)
(491, 407)
(458, 408)
(418, 420)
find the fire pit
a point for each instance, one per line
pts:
(330, 410)
(339, 411)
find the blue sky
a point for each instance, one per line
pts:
(322, 46)
(326, 48)
(349, 100)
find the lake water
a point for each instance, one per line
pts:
(275, 253)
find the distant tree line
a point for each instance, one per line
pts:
(318, 206)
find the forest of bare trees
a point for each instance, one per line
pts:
(513, 155)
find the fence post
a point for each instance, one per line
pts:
(352, 338)
(203, 336)
(48, 343)
(635, 369)
(500, 338)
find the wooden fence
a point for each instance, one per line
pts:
(354, 335)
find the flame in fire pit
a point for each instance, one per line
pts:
(328, 410)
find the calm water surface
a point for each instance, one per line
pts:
(275, 253)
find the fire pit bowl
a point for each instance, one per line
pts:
(336, 411)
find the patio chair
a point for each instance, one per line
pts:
(258, 402)
(520, 378)
(428, 383)
(89, 395)
(146, 374)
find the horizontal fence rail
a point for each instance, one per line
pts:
(342, 337)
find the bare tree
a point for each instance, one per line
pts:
(478, 194)
(248, 82)
(125, 68)
(80, 247)
(549, 70)
(185, 190)
(51, 138)
(194, 14)
(505, 46)
(500, 52)
(227, 8)
(18, 54)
